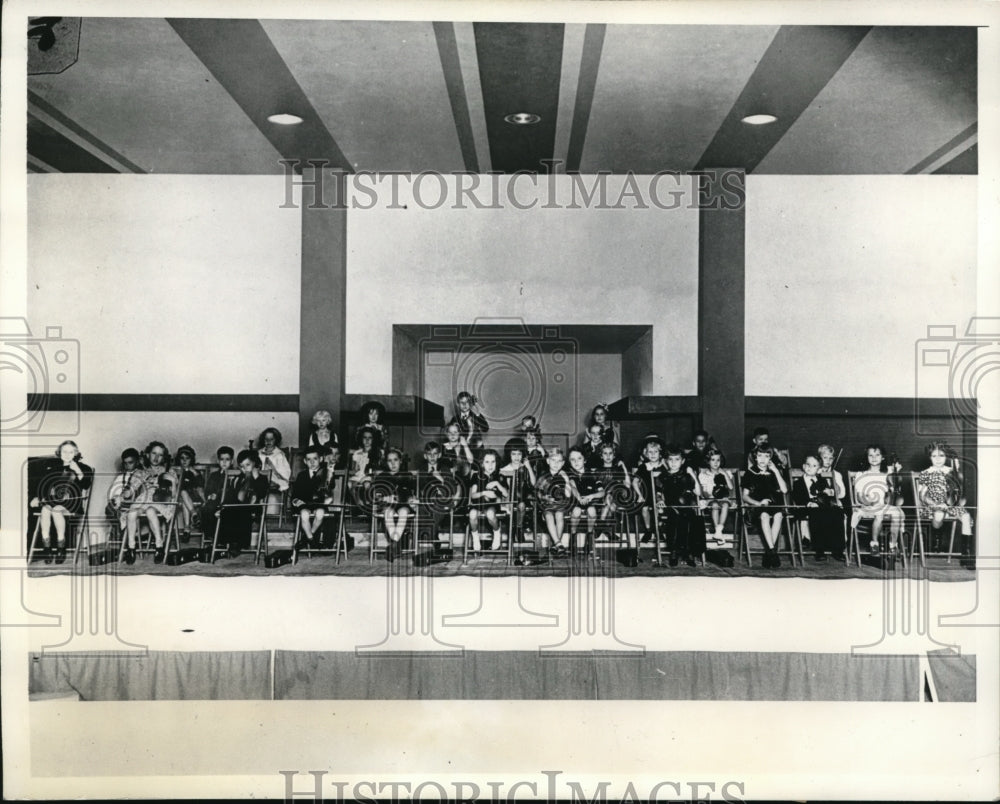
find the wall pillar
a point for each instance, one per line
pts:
(721, 307)
(323, 318)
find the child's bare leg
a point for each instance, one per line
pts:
(305, 523)
(474, 528)
(46, 518)
(154, 527)
(765, 531)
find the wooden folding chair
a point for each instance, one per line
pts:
(377, 515)
(76, 529)
(336, 512)
(919, 525)
(169, 532)
(793, 547)
(857, 518)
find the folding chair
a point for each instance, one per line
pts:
(229, 502)
(504, 514)
(798, 516)
(334, 519)
(921, 521)
(366, 495)
(872, 485)
(284, 497)
(169, 528)
(793, 547)
(732, 515)
(435, 502)
(76, 529)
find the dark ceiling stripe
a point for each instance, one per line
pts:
(799, 62)
(954, 142)
(965, 164)
(593, 43)
(52, 148)
(444, 32)
(140, 403)
(42, 104)
(520, 66)
(246, 63)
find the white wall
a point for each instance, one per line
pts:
(172, 284)
(546, 266)
(845, 273)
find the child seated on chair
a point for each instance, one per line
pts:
(395, 490)
(273, 460)
(696, 456)
(587, 495)
(438, 491)
(192, 491)
(939, 491)
(366, 460)
(762, 438)
(489, 489)
(521, 479)
(763, 493)
(647, 481)
(535, 455)
(215, 485)
(874, 494)
(456, 449)
(593, 442)
(239, 508)
(614, 479)
(120, 495)
(715, 489)
(828, 458)
(153, 488)
(310, 495)
(321, 434)
(60, 495)
(685, 531)
(815, 498)
(555, 495)
(609, 429)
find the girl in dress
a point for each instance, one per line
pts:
(587, 493)
(763, 493)
(322, 435)
(554, 493)
(398, 489)
(489, 489)
(522, 479)
(939, 491)
(610, 432)
(153, 488)
(372, 419)
(366, 460)
(535, 454)
(273, 458)
(716, 490)
(60, 495)
(614, 479)
(192, 490)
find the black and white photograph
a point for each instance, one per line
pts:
(491, 401)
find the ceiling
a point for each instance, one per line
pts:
(193, 96)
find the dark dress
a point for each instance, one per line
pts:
(762, 485)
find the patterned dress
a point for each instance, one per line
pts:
(938, 486)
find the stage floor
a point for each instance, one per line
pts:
(357, 564)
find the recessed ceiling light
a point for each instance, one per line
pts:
(759, 119)
(522, 119)
(285, 119)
